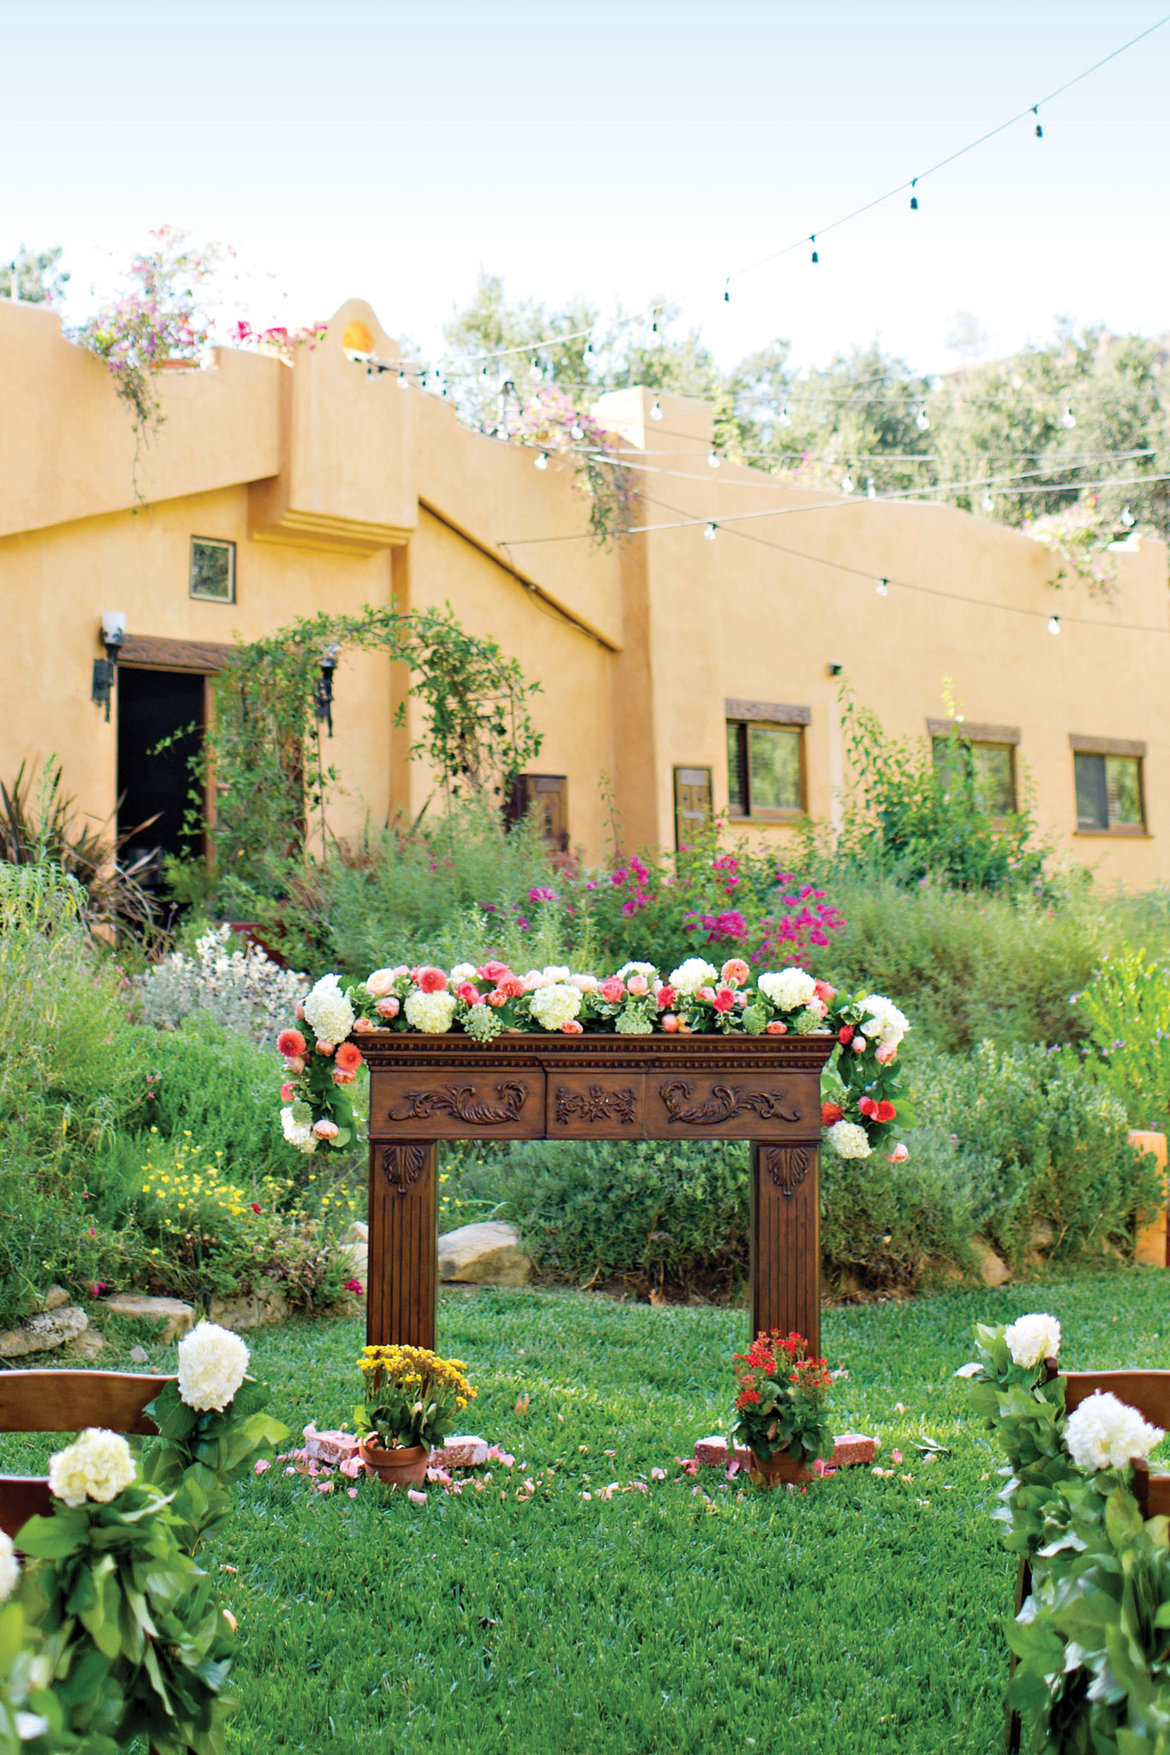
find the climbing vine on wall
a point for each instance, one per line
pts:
(266, 750)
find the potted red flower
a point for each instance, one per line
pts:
(781, 1408)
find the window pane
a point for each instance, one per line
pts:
(1123, 791)
(736, 773)
(1092, 809)
(994, 788)
(774, 768)
(213, 570)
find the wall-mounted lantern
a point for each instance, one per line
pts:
(325, 686)
(105, 669)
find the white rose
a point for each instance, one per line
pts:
(848, 1140)
(327, 1010)
(1104, 1433)
(583, 983)
(430, 1012)
(885, 1021)
(213, 1362)
(1032, 1338)
(555, 1005)
(98, 1465)
(9, 1567)
(297, 1133)
(462, 972)
(646, 969)
(689, 976)
(788, 989)
(381, 982)
(552, 977)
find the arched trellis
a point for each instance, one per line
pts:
(426, 1088)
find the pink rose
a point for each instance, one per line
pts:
(294, 1064)
(724, 1000)
(816, 1006)
(326, 1130)
(669, 1023)
(706, 994)
(638, 984)
(885, 1053)
(900, 1153)
(497, 997)
(571, 1028)
(341, 1077)
(326, 1048)
(825, 992)
(859, 1045)
(299, 1012)
(494, 972)
(734, 972)
(469, 994)
(775, 1028)
(584, 983)
(380, 983)
(287, 1094)
(612, 990)
(361, 1025)
(388, 1008)
(666, 997)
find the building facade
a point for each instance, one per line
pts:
(697, 665)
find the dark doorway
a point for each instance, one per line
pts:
(157, 707)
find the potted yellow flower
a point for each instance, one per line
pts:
(412, 1401)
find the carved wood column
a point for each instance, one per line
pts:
(786, 1241)
(404, 1257)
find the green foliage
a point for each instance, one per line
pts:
(40, 830)
(201, 1453)
(782, 1399)
(895, 1227)
(35, 277)
(1127, 1009)
(410, 1397)
(1038, 1143)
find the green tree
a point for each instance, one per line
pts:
(34, 276)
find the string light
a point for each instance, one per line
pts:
(870, 488)
(710, 531)
(883, 587)
(656, 410)
(987, 502)
(1039, 126)
(403, 381)
(846, 484)
(785, 417)
(542, 460)
(922, 421)
(1054, 624)
(1068, 419)
(1127, 518)
(913, 197)
(577, 431)
(534, 370)
(813, 242)
(713, 460)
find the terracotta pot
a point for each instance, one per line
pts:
(404, 1467)
(778, 1470)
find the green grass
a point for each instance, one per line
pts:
(859, 1617)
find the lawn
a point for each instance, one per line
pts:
(860, 1616)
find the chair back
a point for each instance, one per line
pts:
(65, 1401)
(1149, 1393)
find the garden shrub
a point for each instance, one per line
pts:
(1127, 1010)
(235, 984)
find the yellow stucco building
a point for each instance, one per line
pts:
(701, 658)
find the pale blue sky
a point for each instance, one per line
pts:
(618, 150)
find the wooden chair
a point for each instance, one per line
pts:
(1149, 1393)
(65, 1401)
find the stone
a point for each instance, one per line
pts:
(55, 1297)
(40, 1334)
(266, 1306)
(329, 1447)
(487, 1254)
(358, 1232)
(177, 1318)
(139, 1356)
(850, 1450)
(461, 1452)
(89, 1343)
(994, 1271)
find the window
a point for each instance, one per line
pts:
(692, 805)
(546, 798)
(765, 769)
(213, 569)
(989, 767)
(1110, 786)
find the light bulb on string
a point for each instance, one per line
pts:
(713, 459)
(403, 381)
(913, 197)
(727, 292)
(541, 461)
(883, 587)
(656, 410)
(813, 242)
(1054, 624)
(422, 380)
(922, 421)
(870, 489)
(577, 431)
(1127, 518)
(846, 484)
(1039, 124)
(1068, 419)
(710, 531)
(784, 417)
(987, 502)
(588, 347)
(534, 370)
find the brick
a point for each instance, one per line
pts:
(461, 1452)
(329, 1447)
(849, 1450)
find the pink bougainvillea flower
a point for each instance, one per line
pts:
(431, 980)
(290, 1043)
(349, 1057)
(354, 1286)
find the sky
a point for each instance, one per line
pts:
(620, 150)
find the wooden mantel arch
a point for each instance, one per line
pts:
(424, 1089)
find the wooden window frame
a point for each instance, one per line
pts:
(211, 542)
(1133, 749)
(769, 717)
(979, 734)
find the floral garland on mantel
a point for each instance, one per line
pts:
(488, 1000)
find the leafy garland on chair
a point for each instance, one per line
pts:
(1092, 1641)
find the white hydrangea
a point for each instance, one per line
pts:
(430, 1012)
(98, 1465)
(554, 975)
(9, 1567)
(297, 1133)
(1032, 1338)
(885, 1021)
(555, 1004)
(848, 1140)
(1104, 1433)
(649, 970)
(328, 1012)
(691, 975)
(788, 990)
(213, 1362)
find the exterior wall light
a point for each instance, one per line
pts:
(105, 670)
(325, 686)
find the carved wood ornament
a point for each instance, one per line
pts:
(723, 1102)
(788, 1166)
(464, 1104)
(403, 1165)
(596, 1104)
